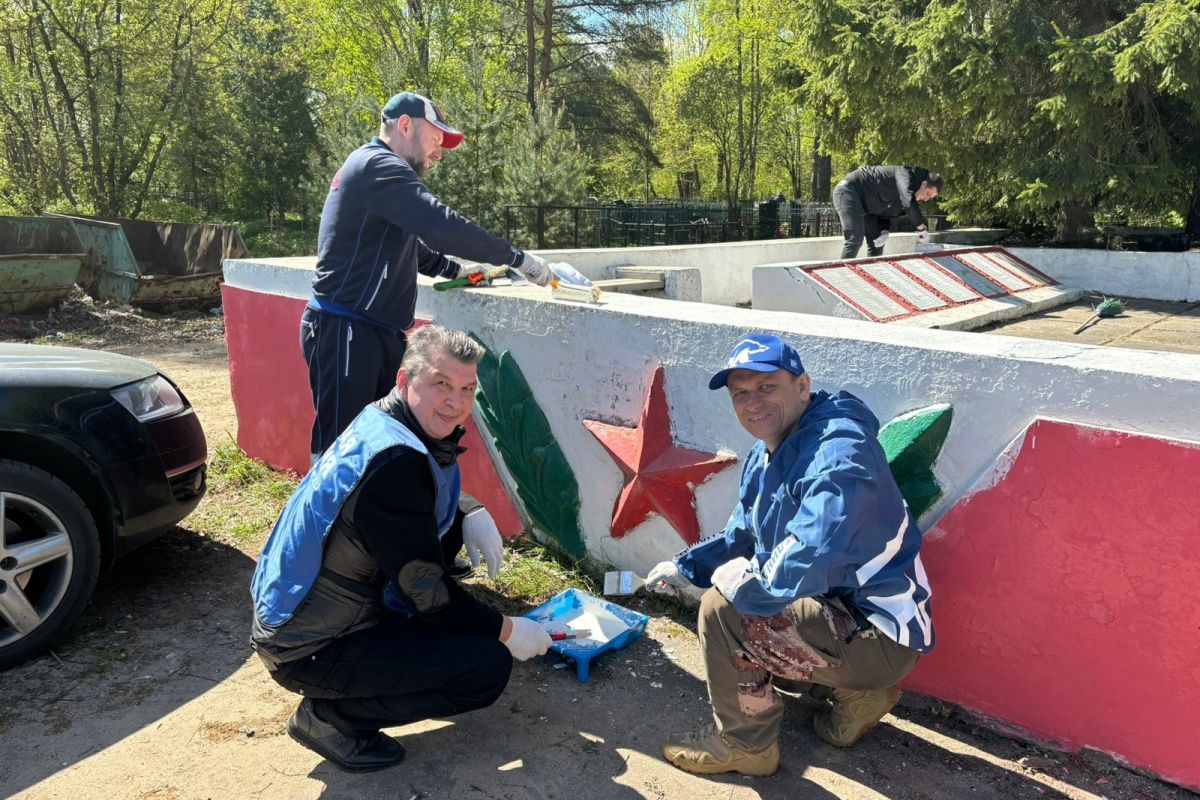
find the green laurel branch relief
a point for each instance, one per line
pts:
(912, 443)
(545, 482)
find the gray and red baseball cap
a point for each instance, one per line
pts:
(421, 107)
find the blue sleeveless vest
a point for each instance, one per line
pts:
(291, 559)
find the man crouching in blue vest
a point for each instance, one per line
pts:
(817, 584)
(353, 607)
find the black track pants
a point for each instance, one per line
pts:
(351, 364)
(399, 672)
(857, 224)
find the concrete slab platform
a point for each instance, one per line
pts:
(1144, 325)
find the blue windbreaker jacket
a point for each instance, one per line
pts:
(822, 516)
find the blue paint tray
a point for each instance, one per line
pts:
(612, 627)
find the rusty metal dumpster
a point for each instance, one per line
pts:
(41, 260)
(149, 264)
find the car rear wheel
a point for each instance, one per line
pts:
(49, 560)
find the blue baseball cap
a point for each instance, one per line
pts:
(759, 352)
(421, 107)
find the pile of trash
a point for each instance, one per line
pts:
(80, 320)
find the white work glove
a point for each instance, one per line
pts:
(467, 269)
(881, 240)
(922, 234)
(666, 578)
(730, 576)
(482, 537)
(567, 273)
(535, 268)
(526, 639)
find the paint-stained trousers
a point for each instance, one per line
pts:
(802, 646)
(351, 364)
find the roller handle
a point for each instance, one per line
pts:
(471, 280)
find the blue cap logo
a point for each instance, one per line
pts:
(760, 352)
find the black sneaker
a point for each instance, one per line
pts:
(460, 569)
(350, 753)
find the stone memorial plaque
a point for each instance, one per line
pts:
(934, 276)
(855, 288)
(996, 273)
(902, 285)
(968, 276)
(1016, 266)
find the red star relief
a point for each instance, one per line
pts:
(659, 475)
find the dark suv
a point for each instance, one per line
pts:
(98, 453)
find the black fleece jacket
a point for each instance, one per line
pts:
(393, 512)
(889, 191)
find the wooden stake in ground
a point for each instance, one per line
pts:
(1108, 307)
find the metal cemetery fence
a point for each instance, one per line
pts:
(627, 225)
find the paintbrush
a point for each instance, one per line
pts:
(1108, 307)
(622, 582)
(579, 633)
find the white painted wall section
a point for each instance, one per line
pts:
(1149, 276)
(726, 269)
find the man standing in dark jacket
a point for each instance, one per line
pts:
(353, 606)
(381, 226)
(868, 198)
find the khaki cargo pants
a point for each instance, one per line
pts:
(806, 643)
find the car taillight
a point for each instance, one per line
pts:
(150, 399)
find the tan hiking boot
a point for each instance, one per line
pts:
(705, 752)
(853, 714)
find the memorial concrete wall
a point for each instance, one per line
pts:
(1058, 547)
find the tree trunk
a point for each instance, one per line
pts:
(547, 41)
(822, 168)
(530, 57)
(1191, 222)
(421, 33)
(1074, 218)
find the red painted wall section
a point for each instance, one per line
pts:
(273, 401)
(1063, 596)
(268, 377)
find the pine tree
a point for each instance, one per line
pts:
(545, 168)
(470, 178)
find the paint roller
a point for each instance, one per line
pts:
(472, 279)
(565, 288)
(561, 290)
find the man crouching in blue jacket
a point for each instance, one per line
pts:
(816, 583)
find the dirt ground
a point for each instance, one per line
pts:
(156, 694)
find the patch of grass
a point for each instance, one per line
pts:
(104, 657)
(532, 574)
(244, 496)
(943, 710)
